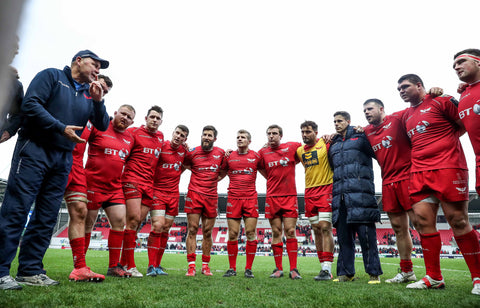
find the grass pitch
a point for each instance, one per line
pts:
(177, 290)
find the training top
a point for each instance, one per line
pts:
(315, 160)
(107, 153)
(469, 113)
(392, 148)
(141, 163)
(434, 134)
(242, 172)
(169, 169)
(205, 167)
(279, 164)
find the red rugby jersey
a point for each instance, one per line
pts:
(107, 153)
(242, 172)
(392, 149)
(434, 135)
(169, 169)
(469, 113)
(140, 166)
(279, 163)
(205, 167)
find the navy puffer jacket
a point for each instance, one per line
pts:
(351, 161)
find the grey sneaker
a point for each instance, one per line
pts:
(8, 283)
(294, 274)
(135, 273)
(402, 277)
(248, 273)
(323, 275)
(161, 271)
(151, 271)
(41, 280)
(276, 273)
(230, 273)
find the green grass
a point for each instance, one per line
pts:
(177, 290)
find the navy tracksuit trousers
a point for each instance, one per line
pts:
(38, 174)
(367, 235)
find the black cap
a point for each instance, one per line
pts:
(89, 54)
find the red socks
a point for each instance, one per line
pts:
(278, 254)
(431, 245)
(251, 250)
(115, 240)
(129, 244)
(191, 257)
(87, 241)
(327, 256)
(470, 248)
(163, 245)
(292, 246)
(78, 252)
(406, 266)
(153, 246)
(232, 249)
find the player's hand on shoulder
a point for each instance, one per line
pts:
(435, 91)
(328, 138)
(462, 87)
(69, 132)
(358, 129)
(228, 152)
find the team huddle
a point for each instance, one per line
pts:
(131, 172)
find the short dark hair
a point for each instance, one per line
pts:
(107, 79)
(374, 100)
(212, 128)
(312, 124)
(412, 78)
(155, 108)
(280, 130)
(246, 132)
(183, 128)
(344, 114)
(472, 51)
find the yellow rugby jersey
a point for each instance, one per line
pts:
(317, 167)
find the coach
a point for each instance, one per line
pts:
(57, 105)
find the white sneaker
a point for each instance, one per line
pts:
(135, 273)
(476, 286)
(402, 277)
(41, 280)
(8, 283)
(427, 283)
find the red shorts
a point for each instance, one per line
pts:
(449, 185)
(97, 200)
(477, 185)
(281, 207)
(139, 191)
(238, 207)
(318, 199)
(165, 202)
(196, 203)
(395, 197)
(77, 180)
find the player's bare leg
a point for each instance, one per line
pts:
(456, 214)
(289, 226)
(207, 242)
(232, 246)
(193, 221)
(77, 211)
(400, 226)
(251, 246)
